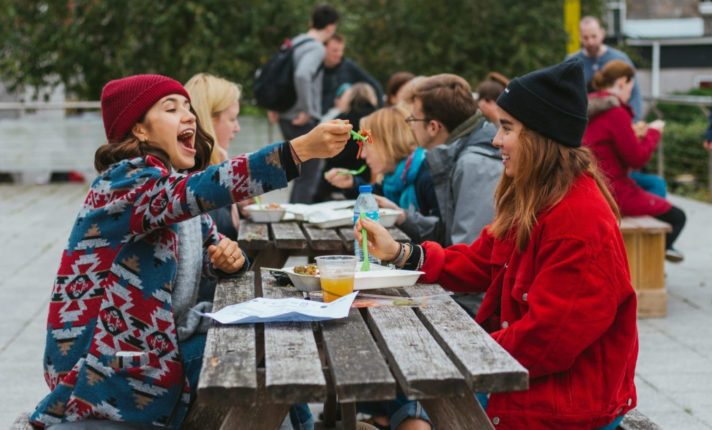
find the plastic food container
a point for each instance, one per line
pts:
(388, 217)
(377, 277)
(266, 212)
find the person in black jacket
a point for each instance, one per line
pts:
(359, 101)
(339, 70)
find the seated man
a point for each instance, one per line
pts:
(464, 166)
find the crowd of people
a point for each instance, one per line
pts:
(512, 198)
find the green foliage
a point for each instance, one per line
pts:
(84, 43)
(684, 155)
(677, 112)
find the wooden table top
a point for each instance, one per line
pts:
(432, 352)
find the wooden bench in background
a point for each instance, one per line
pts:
(644, 239)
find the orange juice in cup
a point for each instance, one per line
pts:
(336, 273)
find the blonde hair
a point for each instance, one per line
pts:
(209, 96)
(545, 172)
(390, 132)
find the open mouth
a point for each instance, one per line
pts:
(186, 138)
(505, 158)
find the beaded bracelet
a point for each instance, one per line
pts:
(404, 256)
(401, 252)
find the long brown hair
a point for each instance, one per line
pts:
(131, 147)
(545, 172)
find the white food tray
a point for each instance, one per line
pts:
(377, 277)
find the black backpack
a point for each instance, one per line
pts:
(274, 82)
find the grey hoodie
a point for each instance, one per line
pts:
(465, 172)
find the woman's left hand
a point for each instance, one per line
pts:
(226, 256)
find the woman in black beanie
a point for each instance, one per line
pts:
(559, 297)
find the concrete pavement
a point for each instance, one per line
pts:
(674, 376)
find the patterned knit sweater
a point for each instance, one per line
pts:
(112, 349)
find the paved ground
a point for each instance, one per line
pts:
(674, 369)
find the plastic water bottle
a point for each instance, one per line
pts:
(367, 204)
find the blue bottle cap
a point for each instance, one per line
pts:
(365, 188)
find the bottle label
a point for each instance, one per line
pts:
(371, 215)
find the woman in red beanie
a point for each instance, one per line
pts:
(121, 344)
(552, 262)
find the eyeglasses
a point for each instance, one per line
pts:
(411, 118)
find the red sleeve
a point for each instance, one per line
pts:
(633, 151)
(461, 268)
(570, 306)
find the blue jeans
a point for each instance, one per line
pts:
(397, 410)
(653, 184)
(301, 417)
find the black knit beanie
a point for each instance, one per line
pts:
(550, 101)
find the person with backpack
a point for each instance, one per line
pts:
(307, 55)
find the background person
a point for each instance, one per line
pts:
(358, 101)
(595, 54)
(216, 102)
(395, 83)
(559, 297)
(308, 81)
(487, 93)
(618, 150)
(464, 166)
(397, 161)
(339, 70)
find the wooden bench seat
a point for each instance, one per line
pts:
(644, 239)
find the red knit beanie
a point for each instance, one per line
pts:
(124, 101)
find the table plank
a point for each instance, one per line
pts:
(347, 235)
(293, 369)
(323, 239)
(486, 365)
(421, 367)
(229, 361)
(253, 236)
(288, 235)
(398, 235)
(357, 367)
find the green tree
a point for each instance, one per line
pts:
(84, 43)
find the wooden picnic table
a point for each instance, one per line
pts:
(270, 244)
(437, 354)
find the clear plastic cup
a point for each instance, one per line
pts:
(336, 273)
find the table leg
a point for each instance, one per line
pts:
(348, 416)
(260, 416)
(457, 413)
(330, 404)
(268, 257)
(204, 415)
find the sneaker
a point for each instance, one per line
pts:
(673, 255)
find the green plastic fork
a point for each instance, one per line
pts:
(352, 172)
